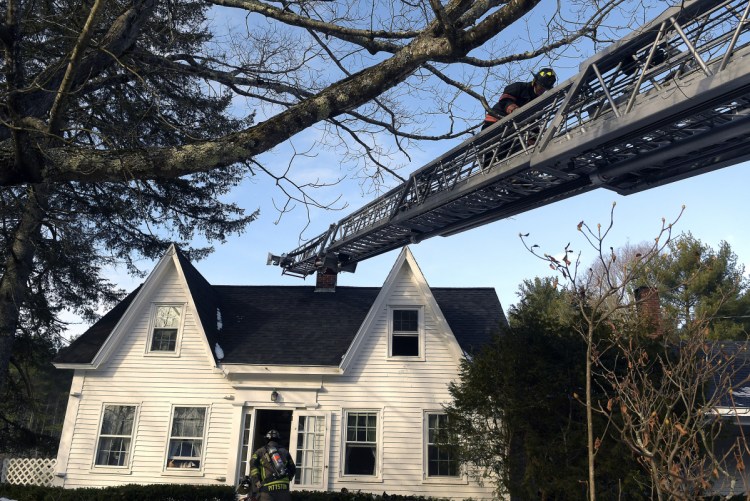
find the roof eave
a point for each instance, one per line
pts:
(323, 370)
(75, 366)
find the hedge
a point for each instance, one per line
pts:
(175, 492)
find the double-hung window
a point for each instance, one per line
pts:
(361, 443)
(115, 436)
(406, 339)
(440, 462)
(166, 329)
(186, 437)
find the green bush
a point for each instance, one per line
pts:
(353, 496)
(174, 492)
(133, 492)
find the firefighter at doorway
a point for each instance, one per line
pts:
(272, 469)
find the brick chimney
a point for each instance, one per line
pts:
(325, 280)
(649, 310)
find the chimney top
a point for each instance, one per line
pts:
(325, 280)
(649, 310)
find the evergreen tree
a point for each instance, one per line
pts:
(57, 238)
(695, 281)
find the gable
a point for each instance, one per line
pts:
(469, 324)
(167, 283)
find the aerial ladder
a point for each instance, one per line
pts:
(669, 101)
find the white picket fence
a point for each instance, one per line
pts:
(28, 471)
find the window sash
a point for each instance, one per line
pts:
(115, 436)
(440, 462)
(186, 437)
(166, 326)
(245, 450)
(405, 332)
(405, 345)
(405, 320)
(164, 340)
(361, 443)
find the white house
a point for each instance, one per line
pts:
(180, 381)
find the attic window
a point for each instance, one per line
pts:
(405, 332)
(164, 337)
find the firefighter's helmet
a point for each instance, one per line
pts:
(546, 78)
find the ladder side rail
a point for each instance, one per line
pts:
(677, 102)
(373, 212)
(664, 71)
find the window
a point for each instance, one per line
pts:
(245, 451)
(311, 447)
(166, 328)
(405, 338)
(361, 443)
(186, 437)
(440, 461)
(115, 436)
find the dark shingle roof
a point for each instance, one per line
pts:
(294, 325)
(737, 354)
(290, 325)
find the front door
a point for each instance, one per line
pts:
(311, 443)
(255, 425)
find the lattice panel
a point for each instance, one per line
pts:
(29, 471)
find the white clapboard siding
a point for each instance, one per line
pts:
(401, 391)
(154, 384)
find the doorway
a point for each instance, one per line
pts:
(271, 419)
(254, 437)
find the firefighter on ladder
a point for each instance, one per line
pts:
(516, 95)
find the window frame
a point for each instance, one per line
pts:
(294, 448)
(152, 327)
(420, 333)
(378, 476)
(246, 439)
(176, 470)
(108, 468)
(461, 478)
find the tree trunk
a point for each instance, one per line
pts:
(19, 263)
(589, 415)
